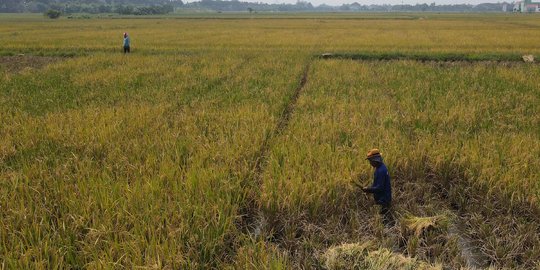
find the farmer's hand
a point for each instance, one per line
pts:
(356, 183)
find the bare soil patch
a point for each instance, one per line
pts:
(14, 64)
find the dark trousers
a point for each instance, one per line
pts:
(126, 49)
(387, 215)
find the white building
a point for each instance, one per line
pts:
(526, 6)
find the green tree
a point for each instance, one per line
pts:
(53, 14)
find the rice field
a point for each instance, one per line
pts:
(225, 142)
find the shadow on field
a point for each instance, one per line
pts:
(436, 57)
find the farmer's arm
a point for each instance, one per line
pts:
(377, 184)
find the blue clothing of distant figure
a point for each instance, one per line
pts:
(381, 188)
(126, 42)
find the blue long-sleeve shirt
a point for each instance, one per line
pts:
(126, 42)
(381, 188)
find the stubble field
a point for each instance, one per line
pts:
(226, 141)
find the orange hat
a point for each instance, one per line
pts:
(373, 153)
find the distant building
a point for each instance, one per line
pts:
(526, 6)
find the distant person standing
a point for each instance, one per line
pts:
(381, 188)
(127, 43)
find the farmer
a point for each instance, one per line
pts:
(381, 188)
(126, 43)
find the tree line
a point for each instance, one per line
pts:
(148, 7)
(136, 7)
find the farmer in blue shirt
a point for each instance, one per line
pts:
(381, 188)
(127, 42)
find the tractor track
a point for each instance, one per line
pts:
(282, 124)
(252, 220)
